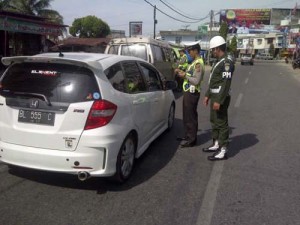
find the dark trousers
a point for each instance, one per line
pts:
(219, 122)
(179, 83)
(190, 114)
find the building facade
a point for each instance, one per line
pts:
(22, 34)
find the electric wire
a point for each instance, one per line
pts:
(176, 18)
(168, 5)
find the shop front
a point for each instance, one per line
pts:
(26, 35)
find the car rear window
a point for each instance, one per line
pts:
(58, 82)
(113, 49)
(137, 50)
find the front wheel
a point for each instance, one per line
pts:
(126, 158)
(171, 117)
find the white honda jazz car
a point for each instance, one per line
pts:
(81, 113)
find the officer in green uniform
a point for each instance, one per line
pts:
(218, 94)
(192, 78)
(182, 65)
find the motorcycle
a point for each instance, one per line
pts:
(286, 60)
(296, 63)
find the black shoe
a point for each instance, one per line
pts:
(186, 144)
(218, 156)
(210, 149)
(181, 138)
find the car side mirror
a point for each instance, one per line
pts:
(170, 85)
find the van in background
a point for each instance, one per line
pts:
(264, 56)
(156, 52)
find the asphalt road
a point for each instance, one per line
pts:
(257, 185)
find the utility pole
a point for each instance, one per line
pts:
(211, 23)
(155, 22)
(210, 32)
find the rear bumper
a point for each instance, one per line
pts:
(97, 161)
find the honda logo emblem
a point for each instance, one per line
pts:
(34, 104)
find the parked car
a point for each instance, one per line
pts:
(159, 53)
(247, 59)
(81, 113)
(264, 56)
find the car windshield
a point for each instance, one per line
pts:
(137, 50)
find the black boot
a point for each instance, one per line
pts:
(181, 138)
(188, 143)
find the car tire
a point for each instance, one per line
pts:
(171, 117)
(126, 159)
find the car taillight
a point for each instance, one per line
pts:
(101, 113)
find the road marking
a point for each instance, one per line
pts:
(238, 101)
(246, 81)
(210, 196)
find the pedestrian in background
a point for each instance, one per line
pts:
(182, 66)
(218, 94)
(192, 78)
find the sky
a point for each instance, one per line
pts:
(118, 13)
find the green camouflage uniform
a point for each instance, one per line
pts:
(219, 91)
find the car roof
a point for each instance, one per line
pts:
(92, 59)
(88, 57)
(138, 40)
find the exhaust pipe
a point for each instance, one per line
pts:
(82, 175)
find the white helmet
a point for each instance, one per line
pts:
(216, 42)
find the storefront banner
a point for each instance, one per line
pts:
(26, 27)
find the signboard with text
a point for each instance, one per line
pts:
(27, 27)
(202, 29)
(135, 28)
(242, 20)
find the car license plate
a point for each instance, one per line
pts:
(38, 117)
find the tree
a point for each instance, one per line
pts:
(37, 8)
(89, 27)
(233, 45)
(4, 5)
(223, 30)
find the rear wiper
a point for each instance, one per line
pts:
(29, 94)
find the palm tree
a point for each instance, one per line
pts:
(38, 8)
(5, 5)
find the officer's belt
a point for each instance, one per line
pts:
(196, 91)
(215, 90)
